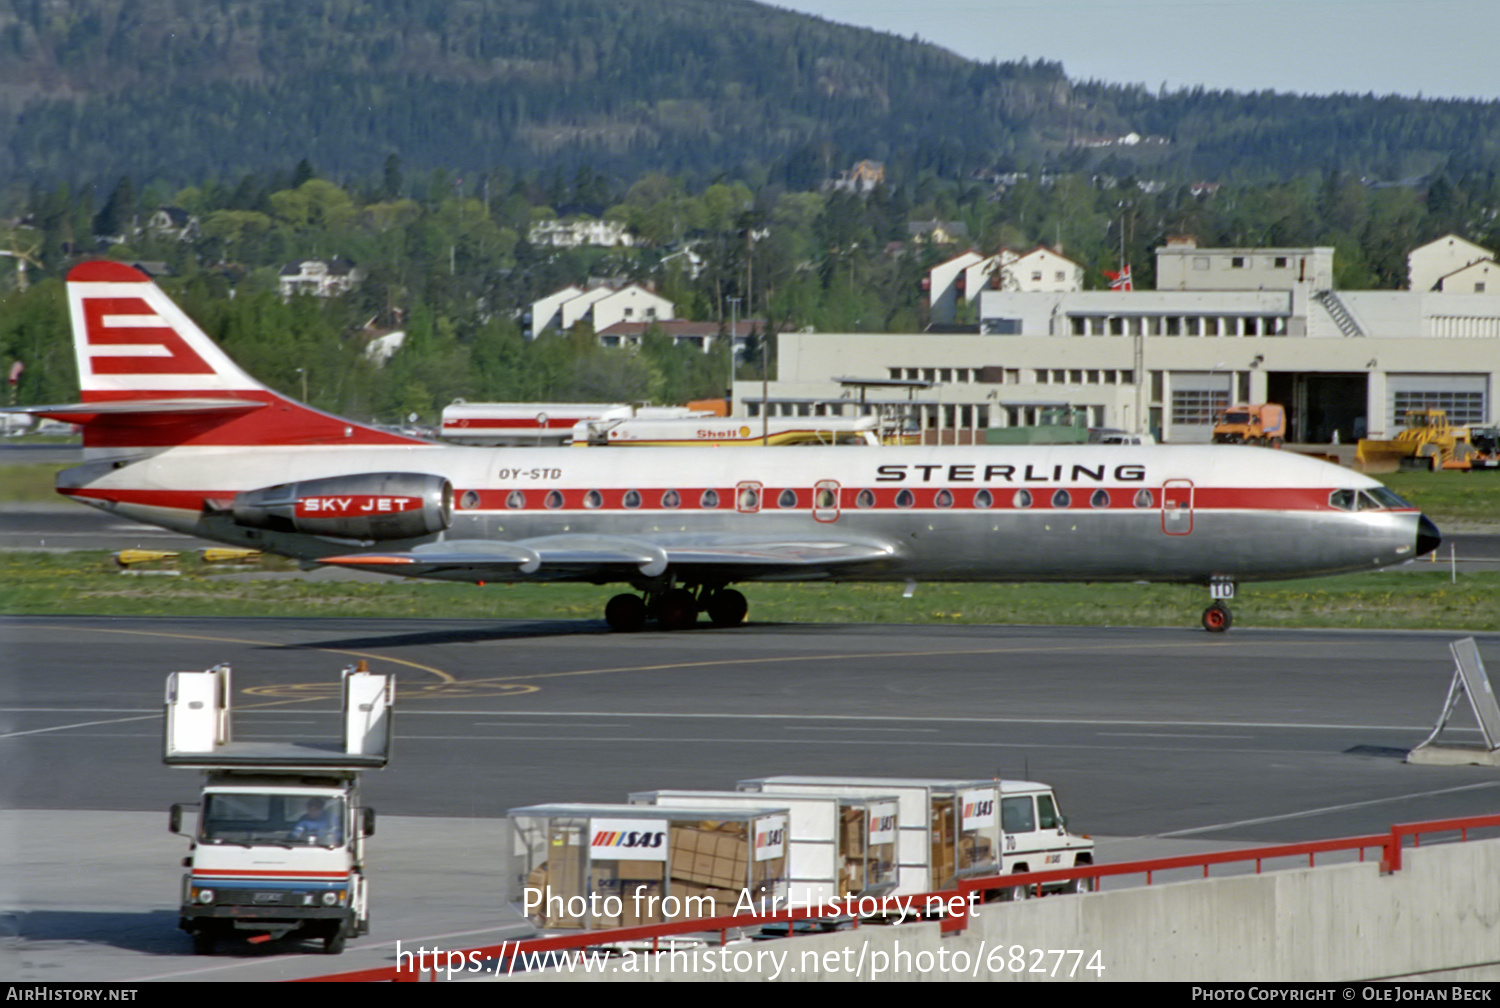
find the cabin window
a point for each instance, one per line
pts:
(787, 499)
(1062, 499)
(710, 499)
(984, 499)
(1022, 499)
(515, 500)
(905, 499)
(632, 499)
(944, 499)
(469, 501)
(749, 497)
(671, 499)
(864, 499)
(554, 499)
(593, 499)
(1100, 499)
(826, 498)
(1143, 499)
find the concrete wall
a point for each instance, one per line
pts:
(1436, 919)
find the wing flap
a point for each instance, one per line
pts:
(604, 558)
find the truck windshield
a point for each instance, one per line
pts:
(252, 818)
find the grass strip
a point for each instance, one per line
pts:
(86, 583)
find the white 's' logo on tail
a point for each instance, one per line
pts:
(132, 340)
(127, 336)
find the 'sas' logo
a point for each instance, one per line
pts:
(148, 344)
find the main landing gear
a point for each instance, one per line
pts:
(1217, 618)
(676, 608)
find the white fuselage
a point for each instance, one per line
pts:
(968, 513)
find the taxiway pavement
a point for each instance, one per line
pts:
(1155, 737)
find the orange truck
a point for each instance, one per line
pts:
(1259, 424)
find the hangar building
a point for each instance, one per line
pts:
(1224, 326)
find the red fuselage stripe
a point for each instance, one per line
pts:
(885, 498)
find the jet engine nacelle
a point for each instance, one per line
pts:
(366, 506)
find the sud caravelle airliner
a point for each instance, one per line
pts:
(177, 435)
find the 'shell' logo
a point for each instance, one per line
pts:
(150, 346)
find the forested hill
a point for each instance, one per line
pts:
(187, 90)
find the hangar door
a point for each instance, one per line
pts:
(1320, 404)
(1464, 397)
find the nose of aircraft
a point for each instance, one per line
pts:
(1428, 536)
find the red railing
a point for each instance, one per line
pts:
(949, 905)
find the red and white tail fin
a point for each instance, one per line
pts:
(132, 342)
(152, 379)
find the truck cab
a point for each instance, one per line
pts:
(304, 838)
(1035, 835)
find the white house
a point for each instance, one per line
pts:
(1427, 265)
(319, 277)
(601, 306)
(576, 231)
(959, 281)
(1482, 277)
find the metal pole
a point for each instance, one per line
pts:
(734, 306)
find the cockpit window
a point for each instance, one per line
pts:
(1389, 498)
(1371, 499)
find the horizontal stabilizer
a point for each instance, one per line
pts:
(136, 410)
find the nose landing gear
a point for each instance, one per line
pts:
(1217, 618)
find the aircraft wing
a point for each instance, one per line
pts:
(608, 558)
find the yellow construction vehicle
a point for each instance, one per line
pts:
(1428, 442)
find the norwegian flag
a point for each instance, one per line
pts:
(1120, 281)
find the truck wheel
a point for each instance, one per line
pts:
(334, 944)
(1082, 885)
(1015, 894)
(203, 943)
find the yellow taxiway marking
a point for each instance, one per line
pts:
(508, 685)
(446, 686)
(774, 659)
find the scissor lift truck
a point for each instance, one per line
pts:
(277, 839)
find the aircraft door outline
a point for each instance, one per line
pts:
(826, 500)
(1177, 507)
(747, 496)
